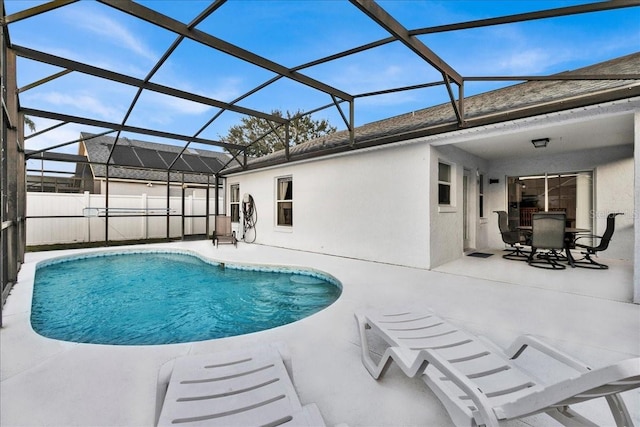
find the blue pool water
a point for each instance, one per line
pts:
(162, 298)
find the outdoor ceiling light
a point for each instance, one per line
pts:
(540, 143)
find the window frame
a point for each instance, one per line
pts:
(448, 184)
(234, 203)
(285, 225)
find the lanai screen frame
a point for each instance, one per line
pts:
(12, 123)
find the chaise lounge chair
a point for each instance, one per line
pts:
(242, 388)
(479, 384)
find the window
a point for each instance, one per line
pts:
(571, 193)
(481, 196)
(234, 199)
(284, 202)
(444, 184)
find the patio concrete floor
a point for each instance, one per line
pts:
(586, 313)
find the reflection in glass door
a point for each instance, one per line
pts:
(571, 193)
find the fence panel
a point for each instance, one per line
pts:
(66, 229)
(46, 231)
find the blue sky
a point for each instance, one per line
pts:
(293, 32)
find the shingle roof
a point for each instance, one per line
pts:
(196, 164)
(509, 103)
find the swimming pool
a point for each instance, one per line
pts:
(162, 297)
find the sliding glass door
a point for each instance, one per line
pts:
(567, 192)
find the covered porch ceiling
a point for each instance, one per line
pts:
(511, 141)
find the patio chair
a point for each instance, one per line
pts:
(513, 238)
(548, 232)
(479, 384)
(241, 388)
(223, 232)
(603, 244)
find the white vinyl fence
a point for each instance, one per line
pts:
(80, 217)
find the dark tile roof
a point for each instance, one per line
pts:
(509, 103)
(196, 164)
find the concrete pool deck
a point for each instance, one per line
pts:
(586, 313)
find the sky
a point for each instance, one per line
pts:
(291, 33)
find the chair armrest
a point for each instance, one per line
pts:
(522, 342)
(586, 236)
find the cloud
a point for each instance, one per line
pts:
(81, 102)
(57, 136)
(358, 78)
(172, 105)
(226, 89)
(390, 99)
(111, 30)
(528, 61)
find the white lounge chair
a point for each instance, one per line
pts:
(241, 388)
(479, 383)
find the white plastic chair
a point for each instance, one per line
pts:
(237, 388)
(479, 384)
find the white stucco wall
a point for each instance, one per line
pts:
(613, 171)
(382, 204)
(447, 222)
(371, 205)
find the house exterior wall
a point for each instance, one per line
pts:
(371, 205)
(613, 173)
(446, 226)
(382, 204)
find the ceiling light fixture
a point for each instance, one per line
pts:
(540, 143)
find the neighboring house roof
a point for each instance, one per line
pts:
(197, 164)
(517, 101)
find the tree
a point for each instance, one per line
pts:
(252, 132)
(30, 123)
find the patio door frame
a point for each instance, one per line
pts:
(467, 210)
(586, 192)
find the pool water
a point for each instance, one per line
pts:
(163, 298)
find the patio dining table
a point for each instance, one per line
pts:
(569, 238)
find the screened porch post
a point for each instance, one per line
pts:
(106, 205)
(216, 191)
(168, 204)
(206, 205)
(182, 207)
